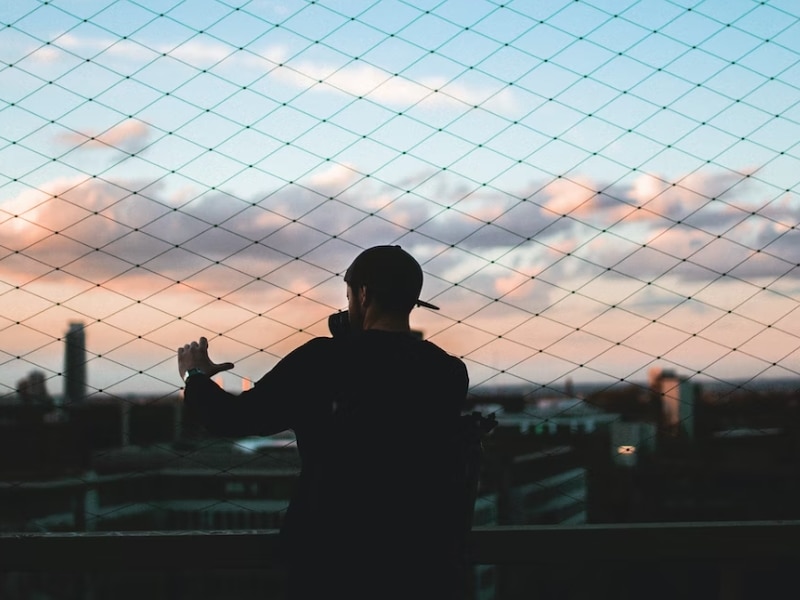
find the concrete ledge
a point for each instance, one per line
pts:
(723, 543)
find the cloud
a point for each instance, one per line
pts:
(98, 231)
(362, 80)
(643, 244)
(359, 80)
(199, 53)
(145, 242)
(356, 78)
(129, 136)
(46, 54)
(335, 178)
(98, 248)
(563, 197)
(195, 52)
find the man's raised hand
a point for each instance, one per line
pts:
(195, 356)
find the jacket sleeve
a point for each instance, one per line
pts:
(226, 414)
(274, 404)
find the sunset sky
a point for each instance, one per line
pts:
(592, 187)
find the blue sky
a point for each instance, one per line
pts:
(592, 187)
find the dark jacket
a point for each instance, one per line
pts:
(379, 498)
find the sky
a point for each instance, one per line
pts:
(593, 188)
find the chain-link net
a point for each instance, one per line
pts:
(594, 189)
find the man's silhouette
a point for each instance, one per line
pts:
(378, 511)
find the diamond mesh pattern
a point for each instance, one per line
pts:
(593, 188)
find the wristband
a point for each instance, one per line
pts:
(191, 372)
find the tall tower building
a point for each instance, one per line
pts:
(670, 392)
(75, 364)
(676, 397)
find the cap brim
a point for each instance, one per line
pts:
(424, 304)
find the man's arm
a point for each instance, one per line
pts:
(292, 390)
(194, 357)
(220, 412)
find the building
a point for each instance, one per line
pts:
(75, 365)
(32, 390)
(676, 398)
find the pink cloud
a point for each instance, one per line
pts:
(127, 135)
(298, 261)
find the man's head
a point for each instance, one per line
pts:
(385, 278)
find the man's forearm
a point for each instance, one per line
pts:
(220, 412)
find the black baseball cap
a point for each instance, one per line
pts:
(392, 274)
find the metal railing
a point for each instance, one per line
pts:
(612, 557)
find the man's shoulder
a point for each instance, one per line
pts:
(317, 345)
(413, 344)
(314, 350)
(326, 348)
(442, 353)
(432, 347)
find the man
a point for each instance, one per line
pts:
(379, 507)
